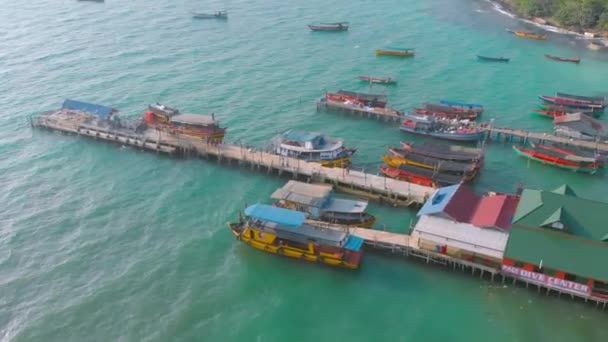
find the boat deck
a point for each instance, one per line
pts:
(509, 135)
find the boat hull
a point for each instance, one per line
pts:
(395, 53)
(553, 161)
(331, 28)
(463, 137)
(492, 59)
(266, 242)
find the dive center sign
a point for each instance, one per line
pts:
(547, 280)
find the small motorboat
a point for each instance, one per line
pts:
(493, 59)
(528, 35)
(332, 27)
(562, 59)
(399, 52)
(217, 15)
(369, 79)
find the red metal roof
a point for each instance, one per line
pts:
(462, 204)
(494, 211)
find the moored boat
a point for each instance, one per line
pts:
(445, 151)
(464, 106)
(568, 110)
(285, 232)
(492, 59)
(572, 103)
(319, 203)
(432, 127)
(398, 52)
(312, 147)
(369, 100)
(419, 175)
(447, 112)
(562, 59)
(600, 100)
(331, 27)
(528, 35)
(564, 161)
(387, 81)
(547, 113)
(173, 121)
(217, 15)
(402, 156)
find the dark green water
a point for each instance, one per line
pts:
(107, 244)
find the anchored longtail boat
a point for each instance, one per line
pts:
(447, 112)
(493, 59)
(312, 147)
(445, 151)
(402, 156)
(217, 15)
(387, 81)
(599, 100)
(572, 103)
(284, 232)
(420, 175)
(562, 59)
(173, 121)
(318, 202)
(332, 27)
(464, 106)
(528, 35)
(547, 113)
(568, 110)
(368, 100)
(432, 127)
(559, 159)
(398, 52)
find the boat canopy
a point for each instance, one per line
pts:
(314, 195)
(460, 104)
(364, 96)
(276, 215)
(194, 119)
(103, 112)
(353, 243)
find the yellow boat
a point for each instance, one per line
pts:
(468, 173)
(399, 52)
(319, 203)
(284, 232)
(528, 35)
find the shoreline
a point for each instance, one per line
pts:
(505, 8)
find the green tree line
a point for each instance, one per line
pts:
(583, 14)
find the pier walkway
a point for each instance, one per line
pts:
(523, 136)
(381, 114)
(359, 183)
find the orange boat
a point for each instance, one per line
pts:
(399, 52)
(528, 35)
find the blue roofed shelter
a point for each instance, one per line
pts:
(103, 112)
(277, 215)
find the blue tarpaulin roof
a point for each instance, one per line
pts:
(354, 243)
(463, 104)
(439, 200)
(277, 215)
(101, 111)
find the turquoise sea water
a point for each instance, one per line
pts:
(101, 243)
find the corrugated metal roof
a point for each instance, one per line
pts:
(102, 112)
(494, 211)
(194, 119)
(277, 215)
(490, 242)
(303, 193)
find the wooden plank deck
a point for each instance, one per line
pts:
(525, 136)
(383, 114)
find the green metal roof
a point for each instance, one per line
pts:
(559, 251)
(579, 248)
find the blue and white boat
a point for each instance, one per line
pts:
(312, 147)
(440, 129)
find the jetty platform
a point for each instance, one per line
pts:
(408, 245)
(523, 136)
(380, 114)
(372, 186)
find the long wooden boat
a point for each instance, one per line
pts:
(319, 204)
(601, 100)
(402, 156)
(445, 151)
(419, 175)
(568, 110)
(566, 150)
(572, 103)
(398, 52)
(217, 15)
(528, 35)
(285, 232)
(547, 113)
(432, 127)
(387, 81)
(569, 162)
(331, 27)
(472, 107)
(369, 100)
(173, 121)
(562, 59)
(447, 112)
(492, 59)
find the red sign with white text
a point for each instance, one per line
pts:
(547, 280)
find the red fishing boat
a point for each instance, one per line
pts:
(548, 113)
(556, 158)
(418, 175)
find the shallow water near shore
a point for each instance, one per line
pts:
(99, 242)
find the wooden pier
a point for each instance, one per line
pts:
(408, 246)
(512, 135)
(380, 114)
(375, 187)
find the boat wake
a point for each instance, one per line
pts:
(498, 8)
